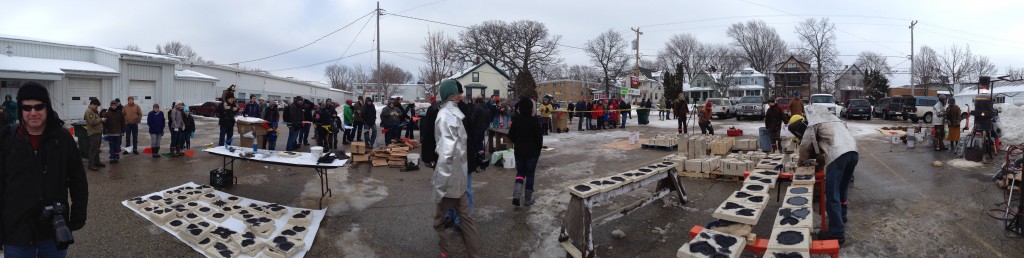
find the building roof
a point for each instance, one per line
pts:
(49, 66)
(753, 73)
(805, 66)
(472, 68)
(1014, 87)
(688, 88)
(122, 52)
(193, 74)
(265, 75)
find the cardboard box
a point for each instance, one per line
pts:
(360, 157)
(721, 147)
(358, 147)
(379, 162)
(736, 167)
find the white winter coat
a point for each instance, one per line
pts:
(450, 174)
(938, 113)
(826, 137)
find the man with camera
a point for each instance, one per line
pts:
(40, 168)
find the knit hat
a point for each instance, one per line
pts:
(34, 91)
(348, 102)
(449, 88)
(708, 104)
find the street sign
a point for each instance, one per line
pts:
(624, 91)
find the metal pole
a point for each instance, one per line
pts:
(913, 92)
(378, 47)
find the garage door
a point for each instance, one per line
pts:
(79, 93)
(143, 91)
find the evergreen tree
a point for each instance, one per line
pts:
(876, 86)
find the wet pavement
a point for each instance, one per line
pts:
(900, 206)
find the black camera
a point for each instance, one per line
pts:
(61, 234)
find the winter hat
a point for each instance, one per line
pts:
(448, 89)
(708, 104)
(525, 105)
(348, 102)
(186, 109)
(34, 91)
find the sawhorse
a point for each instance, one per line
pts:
(577, 234)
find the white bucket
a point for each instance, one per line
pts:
(315, 152)
(911, 140)
(509, 160)
(634, 137)
(895, 139)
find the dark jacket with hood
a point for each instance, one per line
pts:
(227, 116)
(774, 118)
(293, 115)
(525, 132)
(369, 113)
(31, 179)
(155, 120)
(429, 155)
(190, 122)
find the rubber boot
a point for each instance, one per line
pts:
(517, 191)
(156, 152)
(528, 197)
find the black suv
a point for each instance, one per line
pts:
(856, 108)
(889, 107)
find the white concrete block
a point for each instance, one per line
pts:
(736, 167)
(710, 243)
(790, 239)
(739, 212)
(803, 180)
(797, 201)
(754, 179)
(759, 199)
(755, 188)
(765, 173)
(800, 190)
(792, 217)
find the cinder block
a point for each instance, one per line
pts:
(739, 212)
(767, 163)
(736, 167)
(790, 239)
(792, 217)
(804, 171)
(757, 156)
(710, 243)
(710, 164)
(693, 165)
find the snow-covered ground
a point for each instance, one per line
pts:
(1011, 120)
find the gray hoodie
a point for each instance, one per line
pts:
(826, 137)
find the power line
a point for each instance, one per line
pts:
(354, 38)
(403, 55)
(421, 19)
(851, 34)
(324, 62)
(308, 44)
(422, 5)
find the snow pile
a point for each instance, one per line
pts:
(963, 164)
(1011, 120)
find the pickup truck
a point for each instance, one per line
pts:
(825, 100)
(722, 107)
(750, 106)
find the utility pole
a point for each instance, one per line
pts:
(636, 46)
(913, 92)
(378, 46)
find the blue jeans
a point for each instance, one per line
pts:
(270, 140)
(624, 116)
(527, 168)
(837, 184)
(115, 147)
(293, 138)
(304, 134)
(452, 213)
(371, 135)
(226, 132)
(177, 140)
(43, 249)
(131, 136)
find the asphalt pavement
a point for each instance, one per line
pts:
(900, 205)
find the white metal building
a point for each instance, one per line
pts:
(264, 86)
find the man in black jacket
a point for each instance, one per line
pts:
(227, 112)
(307, 119)
(293, 119)
(40, 167)
(370, 122)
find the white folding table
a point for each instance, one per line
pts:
(300, 159)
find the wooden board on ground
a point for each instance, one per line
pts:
(625, 146)
(694, 174)
(380, 162)
(891, 132)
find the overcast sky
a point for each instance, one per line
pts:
(234, 31)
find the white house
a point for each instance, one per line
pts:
(746, 82)
(484, 80)
(1003, 93)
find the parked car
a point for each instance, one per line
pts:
(783, 104)
(750, 106)
(889, 107)
(856, 108)
(721, 107)
(921, 109)
(826, 100)
(208, 109)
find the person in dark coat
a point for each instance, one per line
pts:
(581, 112)
(528, 137)
(307, 121)
(156, 122)
(370, 122)
(113, 128)
(190, 127)
(571, 108)
(293, 119)
(252, 108)
(410, 125)
(773, 120)
(682, 110)
(391, 120)
(625, 110)
(273, 117)
(40, 167)
(227, 111)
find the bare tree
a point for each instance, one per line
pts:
(439, 51)
(871, 61)
(1015, 73)
(760, 43)
(957, 64)
(608, 53)
(982, 67)
(517, 47)
(385, 78)
(583, 73)
(818, 37)
(177, 48)
(344, 77)
(132, 47)
(685, 51)
(927, 67)
(723, 62)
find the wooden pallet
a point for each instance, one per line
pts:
(732, 178)
(694, 175)
(660, 147)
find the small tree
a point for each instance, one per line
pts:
(525, 85)
(875, 85)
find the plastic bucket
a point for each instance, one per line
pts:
(509, 160)
(315, 152)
